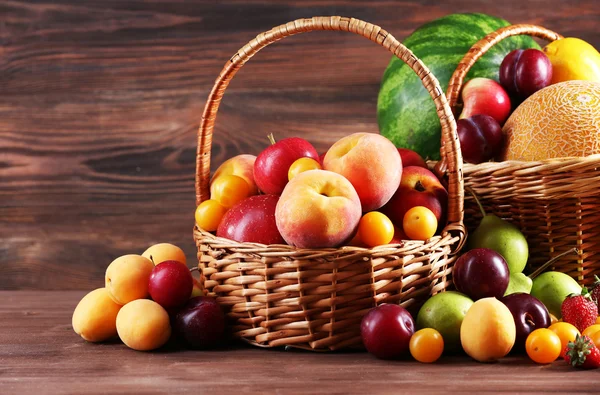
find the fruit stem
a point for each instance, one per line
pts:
(468, 189)
(551, 261)
(194, 269)
(271, 138)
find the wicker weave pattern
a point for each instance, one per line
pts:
(279, 295)
(555, 202)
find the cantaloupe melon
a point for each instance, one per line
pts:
(561, 120)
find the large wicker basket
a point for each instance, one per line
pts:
(278, 295)
(555, 202)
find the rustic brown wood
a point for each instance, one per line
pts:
(40, 353)
(100, 102)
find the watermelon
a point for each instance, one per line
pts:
(405, 111)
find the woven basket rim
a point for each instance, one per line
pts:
(523, 166)
(286, 250)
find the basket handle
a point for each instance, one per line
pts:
(450, 146)
(482, 46)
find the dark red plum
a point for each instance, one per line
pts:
(524, 72)
(200, 324)
(386, 331)
(481, 273)
(170, 284)
(481, 138)
(529, 314)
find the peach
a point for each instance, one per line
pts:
(95, 317)
(143, 325)
(127, 278)
(158, 253)
(371, 163)
(241, 166)
(418, 187)
(318, 208)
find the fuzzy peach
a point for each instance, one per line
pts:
(371, 163)
(318, 208)
(241, 166)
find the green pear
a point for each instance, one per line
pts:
(518, 282)
(503, 237)
(551, 288)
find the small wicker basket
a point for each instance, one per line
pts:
(279, 295)
(555, 202)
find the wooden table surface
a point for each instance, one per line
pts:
(40, 353)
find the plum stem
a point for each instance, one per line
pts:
(476, 200)
(529, 319)
(271, 138)
(551, 261)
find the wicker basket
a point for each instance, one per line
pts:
(278, 295)
(555, 202)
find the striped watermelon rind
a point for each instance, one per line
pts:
(405, 111)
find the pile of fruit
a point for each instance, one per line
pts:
(555, 115)
(519, 102)
(147, 300)
(363, 191)
(495, 310)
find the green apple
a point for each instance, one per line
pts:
(444, 312)
(551, 288)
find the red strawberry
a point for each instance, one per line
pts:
(579, 310)
(595, 292)
(582, 353)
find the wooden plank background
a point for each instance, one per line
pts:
(100, 102)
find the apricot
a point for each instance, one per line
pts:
(95, 317)
(488, 331)
(143, 325)
(158, 253)
(127, 278)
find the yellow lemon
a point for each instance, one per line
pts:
(573, 59)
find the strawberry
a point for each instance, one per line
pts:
(582, 353)
(595, 292)
(579, 310)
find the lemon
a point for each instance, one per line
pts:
(573, 59)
